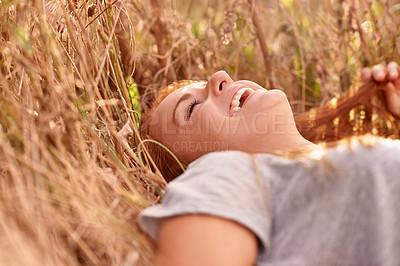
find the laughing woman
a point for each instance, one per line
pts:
(274, 198)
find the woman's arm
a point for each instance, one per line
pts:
(191, 240)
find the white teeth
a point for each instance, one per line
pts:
(235, 101)
(240, 92)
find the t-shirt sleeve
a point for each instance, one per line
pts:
(222, 184)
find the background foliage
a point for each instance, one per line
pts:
(76, 75)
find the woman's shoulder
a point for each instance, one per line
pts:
(357, 146)
(230, 157)
(229, 164)
(220, 164)
(368, 147)
(221, 157)
(364, 150)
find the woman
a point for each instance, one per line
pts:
(338, 206)
(189, 141)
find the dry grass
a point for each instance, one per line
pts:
(71, 183)
(71, 187)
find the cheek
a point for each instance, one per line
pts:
(210, 125)
(265, 114)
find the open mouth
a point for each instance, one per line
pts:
(239, 98)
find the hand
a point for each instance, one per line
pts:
(389, 77)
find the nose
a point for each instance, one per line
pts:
(218, 82)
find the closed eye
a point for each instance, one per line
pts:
(191, 108)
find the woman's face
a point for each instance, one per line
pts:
(221, 115)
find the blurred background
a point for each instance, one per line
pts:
(314, 49)
(75, 77)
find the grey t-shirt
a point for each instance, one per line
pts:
(337, 206)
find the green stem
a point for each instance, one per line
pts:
(162, 146)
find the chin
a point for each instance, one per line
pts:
(278, 94)
(273, 102)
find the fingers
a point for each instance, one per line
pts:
(366, 74)
(393, 70)
(393, 99)
(390, 77)
(379, 73)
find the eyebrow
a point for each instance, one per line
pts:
(184, 97)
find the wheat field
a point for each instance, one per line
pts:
(75, 77)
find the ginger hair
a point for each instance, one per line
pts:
(329, 122)
(332, 121)
(166, 164)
